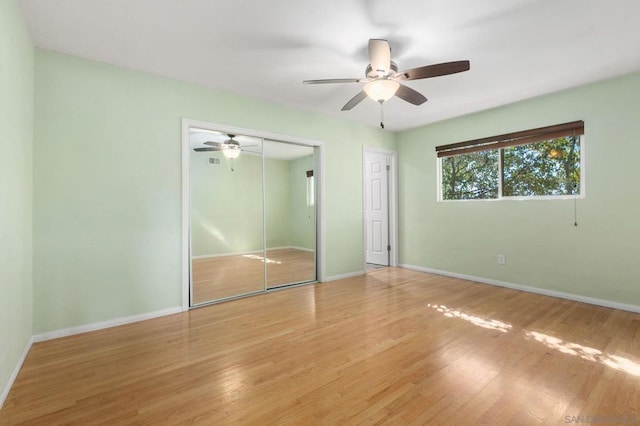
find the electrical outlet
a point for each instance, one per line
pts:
(501, 259)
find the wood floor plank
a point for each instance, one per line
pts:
(228, 276)
(390, 347)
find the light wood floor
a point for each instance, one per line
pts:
(393, 347)
(225, 276)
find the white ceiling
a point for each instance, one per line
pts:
(518, 48)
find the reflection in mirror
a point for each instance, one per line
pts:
(227, 226)
(290, 213)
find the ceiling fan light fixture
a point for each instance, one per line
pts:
(231, 151)
(381, 90)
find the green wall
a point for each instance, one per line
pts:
(16, 150)
(107, 185)
(542, 247)
(277, 194)
(226, 205)
(303, 221)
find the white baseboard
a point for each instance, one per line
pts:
(529, 289)
(104, 324)
(241, 253)
(14, 374)
(343, 276)
(298, 248)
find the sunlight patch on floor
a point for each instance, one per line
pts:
(263, 259)
(491, 324)
(587, 353)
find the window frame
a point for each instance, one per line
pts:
(500, 197)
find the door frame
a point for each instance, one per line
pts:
(392, 207)
(319, 151)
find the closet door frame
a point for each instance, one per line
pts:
(186, 199)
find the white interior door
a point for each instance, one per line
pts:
(376, 212)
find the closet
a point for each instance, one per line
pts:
(252, 224)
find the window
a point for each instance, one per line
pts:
(545, 162)
(472, 176)
(311, 191)
(542, 169)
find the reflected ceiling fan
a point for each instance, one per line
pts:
(230, 148)
(383, 81)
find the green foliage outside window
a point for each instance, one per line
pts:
(544, 168)
(472, 176)
(547, 168)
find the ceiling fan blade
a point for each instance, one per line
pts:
(408, 94)
(212, 143)
(436, 70)
(251, 151)
(354, 101)
(380, 56)
(206, 149)
(333, 80)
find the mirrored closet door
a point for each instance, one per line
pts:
(252, 215)
(290, 213)
(227, 225)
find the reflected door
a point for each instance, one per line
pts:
(290, 213)
(227, 226)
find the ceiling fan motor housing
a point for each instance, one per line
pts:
(231, 144)
(371, 73)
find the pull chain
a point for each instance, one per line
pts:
(575, 206)
(381, 113)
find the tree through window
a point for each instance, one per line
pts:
(542, 169)
(472, 176)
(543, 162)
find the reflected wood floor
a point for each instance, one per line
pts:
(226, 276)
(392, 347)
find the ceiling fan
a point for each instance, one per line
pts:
(230, 148)
(383, 81)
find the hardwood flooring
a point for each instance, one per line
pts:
(392, 347)
(226, 276)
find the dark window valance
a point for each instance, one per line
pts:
(523, 137)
